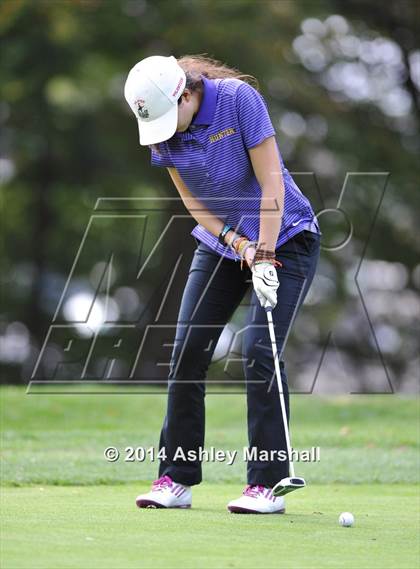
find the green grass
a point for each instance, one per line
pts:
(60, 439)
(99, 526)
(64, 506)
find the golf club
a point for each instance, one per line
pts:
(291, 483)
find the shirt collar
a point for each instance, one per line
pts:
(206, 111)
(208, 103)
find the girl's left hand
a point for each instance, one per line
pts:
(266, 283)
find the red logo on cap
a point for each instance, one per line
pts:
(177, 87)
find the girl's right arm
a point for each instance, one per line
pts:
(201, 214)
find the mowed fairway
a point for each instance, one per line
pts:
(64, 506)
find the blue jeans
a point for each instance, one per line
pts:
(214, 289)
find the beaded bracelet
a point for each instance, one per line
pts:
(240, 243)
(274, 262)
(249, 244)
(244, 248)
(266, 256)
(239, 246)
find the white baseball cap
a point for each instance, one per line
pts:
(152, 89)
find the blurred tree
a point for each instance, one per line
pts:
(342, 83)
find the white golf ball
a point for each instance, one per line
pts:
(346, 519)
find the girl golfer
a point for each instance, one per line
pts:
(212, 131)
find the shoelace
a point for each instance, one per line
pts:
(253, 490)
(162, 482)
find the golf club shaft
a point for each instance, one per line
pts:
(280, 387)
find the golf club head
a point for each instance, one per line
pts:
(287, 485)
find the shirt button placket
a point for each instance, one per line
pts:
(196, 138)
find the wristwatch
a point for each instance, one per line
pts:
(222, 234)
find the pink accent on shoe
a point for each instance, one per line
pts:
(162, 482)
(253, 490)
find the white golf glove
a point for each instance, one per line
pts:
(266, 283)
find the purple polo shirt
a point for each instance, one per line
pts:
(212, 159)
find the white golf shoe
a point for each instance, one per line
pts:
(166, 493)
(257, 499)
